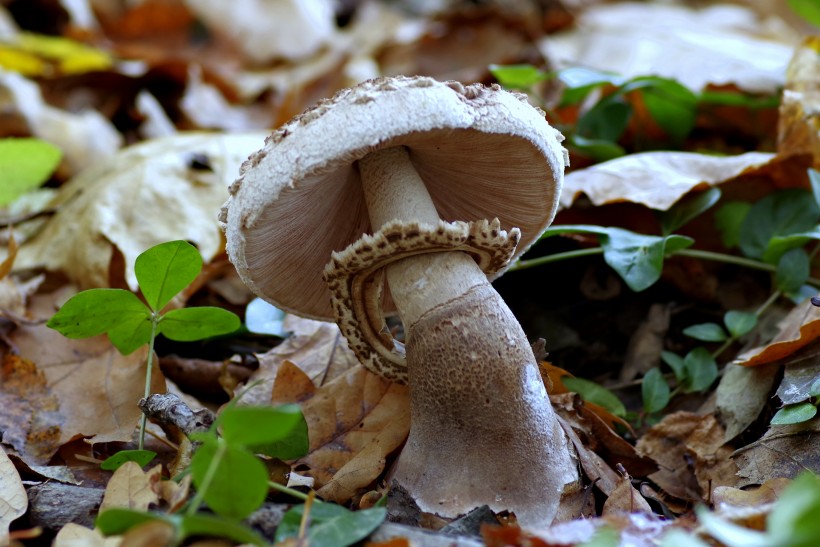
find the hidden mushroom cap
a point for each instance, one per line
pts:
(482, 152)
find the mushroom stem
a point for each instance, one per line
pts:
(482, 427)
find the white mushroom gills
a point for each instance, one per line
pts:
(480, 415)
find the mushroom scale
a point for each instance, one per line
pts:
(404, 157)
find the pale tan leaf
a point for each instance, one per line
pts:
(145, 195)
(132, 488)
(768, 492)
(13, 498)
(656, 179)
(74, 535)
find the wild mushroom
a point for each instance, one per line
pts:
(395, 178)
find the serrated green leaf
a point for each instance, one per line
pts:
(794, 414)
(96, 311)
(25, 164)
(793, 270)
(595, 393)
(706, 332)
(238, 486)
(518, 76)
(189, 324)
(739, 323)
(701, 370)
(140, 457)
(331, 525)
(655, 391)
(687, 209)
(728, 220)
(676, 363)
(165, 269)
(781, 213)
(275, 431)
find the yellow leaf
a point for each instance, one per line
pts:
(22, 62)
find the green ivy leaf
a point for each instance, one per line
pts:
(687, 209)
(794, 414)
(701, 370)
(518, 76)
(793, 270)
(728, 220)
(655, 391)
(781, 213)
(240, 483)
(140, 457)
(165, 269)
(25, 164)
(739, 323)
(189, 324)
(706, 332)
(594, 393)
(331, 525)
(96, 311)
(676, 363)
(275, 431)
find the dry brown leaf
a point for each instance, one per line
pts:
(798, 329)
(625, 499)
(74, 535)
(317, 347)
(769, 492)
(145, 195)
(13, 498)
(798, 121)
(88, 389)
(784, 451)
(132, 488)
(715, 45)
(354, 423)
(634, 178)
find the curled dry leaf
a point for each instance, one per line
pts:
(13, 499)
(132, 488)
(798, 329)
(145, 195)
(783, 451)
(625, 499)
(634, 178)
(726, 496)
(354, 423)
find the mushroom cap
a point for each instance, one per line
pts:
(482, 152)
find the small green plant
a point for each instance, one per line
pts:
(162, 272)
(25, 164)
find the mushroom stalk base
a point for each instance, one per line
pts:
(482, 427)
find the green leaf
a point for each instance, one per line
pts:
(794, 414)
(687, 209)
(518, 76)
(140, 457)
(781, 213)
(129, 335)
(672, 105)
(275, 431)
(594, 393)
(655, 391)
(165, 269)
(733, 98)
(779, 245)
(739, 323)
(238, 486)
(814, 179)
(728, 220)
(814, 390)
(676, 363)
(25, 164)
(95, 311)
(792, 271)
(793, 519)
(807, 9)
(580, 81)
(189, 324)
(331, 525)
(597, 149)
(116, 521)
(706, 332)
(206, 525)
(607, 120)
(701, 370)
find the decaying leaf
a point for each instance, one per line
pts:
(625, 499)
(157, 191)
(784, 451)
(74, 535)
(635, 178)
(798, 329)
(768, 492)
(132, 488)
(797, 130)
(13, 499)
(741, 395)
(354, 423)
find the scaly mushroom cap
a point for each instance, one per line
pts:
(482, 152)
